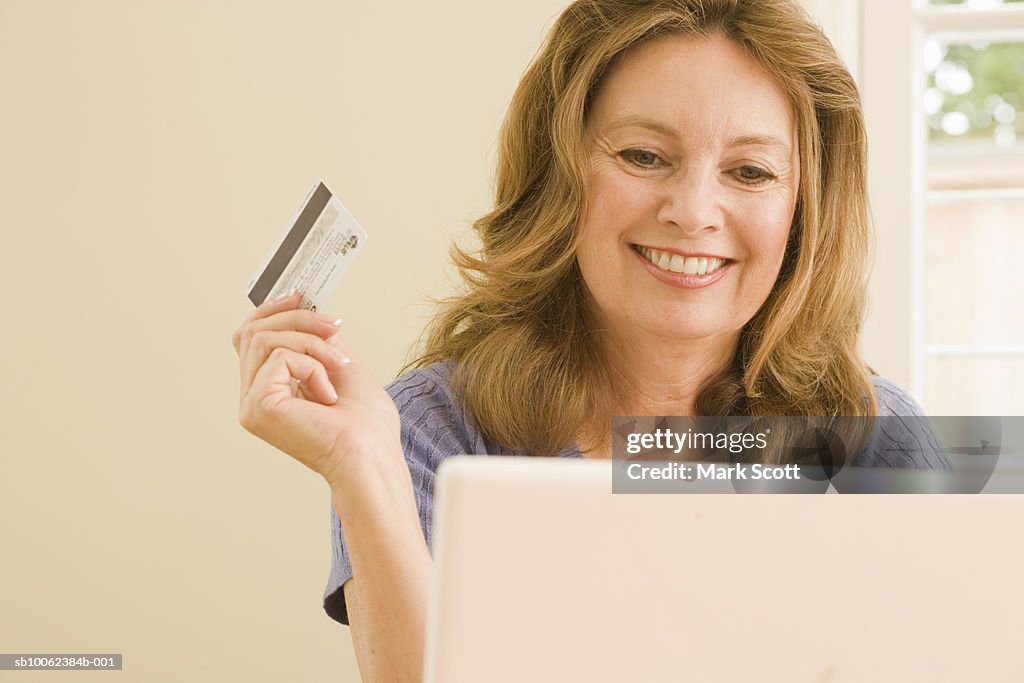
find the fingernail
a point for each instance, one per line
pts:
(330, 320)
(284, 295)
(334, 395)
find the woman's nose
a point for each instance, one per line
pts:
(691, 203)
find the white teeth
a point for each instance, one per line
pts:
(674, 263)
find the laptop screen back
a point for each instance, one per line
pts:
(544, 575)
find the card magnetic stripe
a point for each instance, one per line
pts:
(290, 245)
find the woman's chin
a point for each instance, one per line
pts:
(686, 330)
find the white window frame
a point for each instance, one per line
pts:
(890, 65)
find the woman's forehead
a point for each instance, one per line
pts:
(687, 85)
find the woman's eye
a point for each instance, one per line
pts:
(640, 157)
(753, 175)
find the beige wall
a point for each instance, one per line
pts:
(150, 153)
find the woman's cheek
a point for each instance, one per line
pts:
(773, 219)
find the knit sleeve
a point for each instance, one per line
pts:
(433, 428)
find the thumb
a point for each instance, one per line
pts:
(352, 378)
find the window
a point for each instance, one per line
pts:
(946, 126)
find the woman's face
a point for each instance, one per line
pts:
(692, 187)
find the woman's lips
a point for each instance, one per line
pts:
(682, 280)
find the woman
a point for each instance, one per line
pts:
(680, 228)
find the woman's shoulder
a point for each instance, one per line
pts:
(893, 399)
(423, 388)
(432, 417)
(903, 437)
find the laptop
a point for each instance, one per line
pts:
(544, 575)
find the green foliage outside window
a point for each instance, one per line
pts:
(975, 90)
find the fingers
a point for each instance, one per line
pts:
(320, 325)
(273, 384)
(282, 302)
(263, 344)
(299, 320)
(304, 423)
(282, 314)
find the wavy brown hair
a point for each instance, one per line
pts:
(524, 363)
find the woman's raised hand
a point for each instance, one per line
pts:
(303, 392)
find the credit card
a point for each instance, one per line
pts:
(312, 254)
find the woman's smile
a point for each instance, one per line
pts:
(685, 270)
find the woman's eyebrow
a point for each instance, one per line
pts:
(759, 140)
(643, 122)
(669, 131)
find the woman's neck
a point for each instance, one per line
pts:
(652, 376)
(663, 377)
